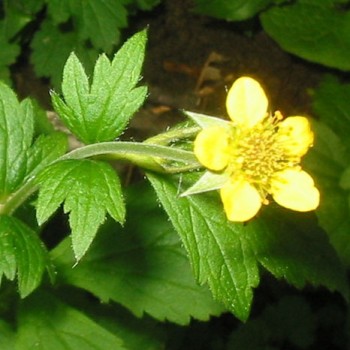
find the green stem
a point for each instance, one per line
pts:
(174, 135)
(18, 197)
(140, 153)
(148, 156)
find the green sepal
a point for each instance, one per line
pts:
(209, 181)
(207, 121)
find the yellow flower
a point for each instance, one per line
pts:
(257, 154)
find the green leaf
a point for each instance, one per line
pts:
(226, 255)
(147, 4)
(143, 267)
(99, 21)
(16, 133)
(42, 124)
(306, 28)
(28, 7)
(327, 162)
(9, 51)
(51, 48)
(89, 189)
(47, 323)
(8, 54)
(101, 112)
(136, 333)
(331, 102)
(289, 321)
(45, 150)
(235, 10)
(19, 159)
(96, 21)
(22, 253)
(7, 336)
(58, 10)
(218, 251)
(17, 14)
(291, 246)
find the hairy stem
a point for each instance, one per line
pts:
(149, 156)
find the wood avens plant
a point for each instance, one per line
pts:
(253, 159)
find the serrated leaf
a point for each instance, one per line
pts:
(51, 48)
(89, 189)
(99, 21)
(22, 253)
(306, 28)
(47, 323)
(19, 158)
(101, 113)
(219, 253)
(143, 267)
(16, 133)
(235, 10)
(226, 255)
(291, 246)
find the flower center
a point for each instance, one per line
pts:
(258, 154)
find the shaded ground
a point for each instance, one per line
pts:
(191, 60)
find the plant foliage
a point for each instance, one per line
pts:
(85, 27)
(90, 261)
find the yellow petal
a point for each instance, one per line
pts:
(211, 147)
(241, 200)
(246, 102)
(296, 135)
(295, 189)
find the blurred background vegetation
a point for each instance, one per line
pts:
(298, 50)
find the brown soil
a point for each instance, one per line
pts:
(192, 60)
